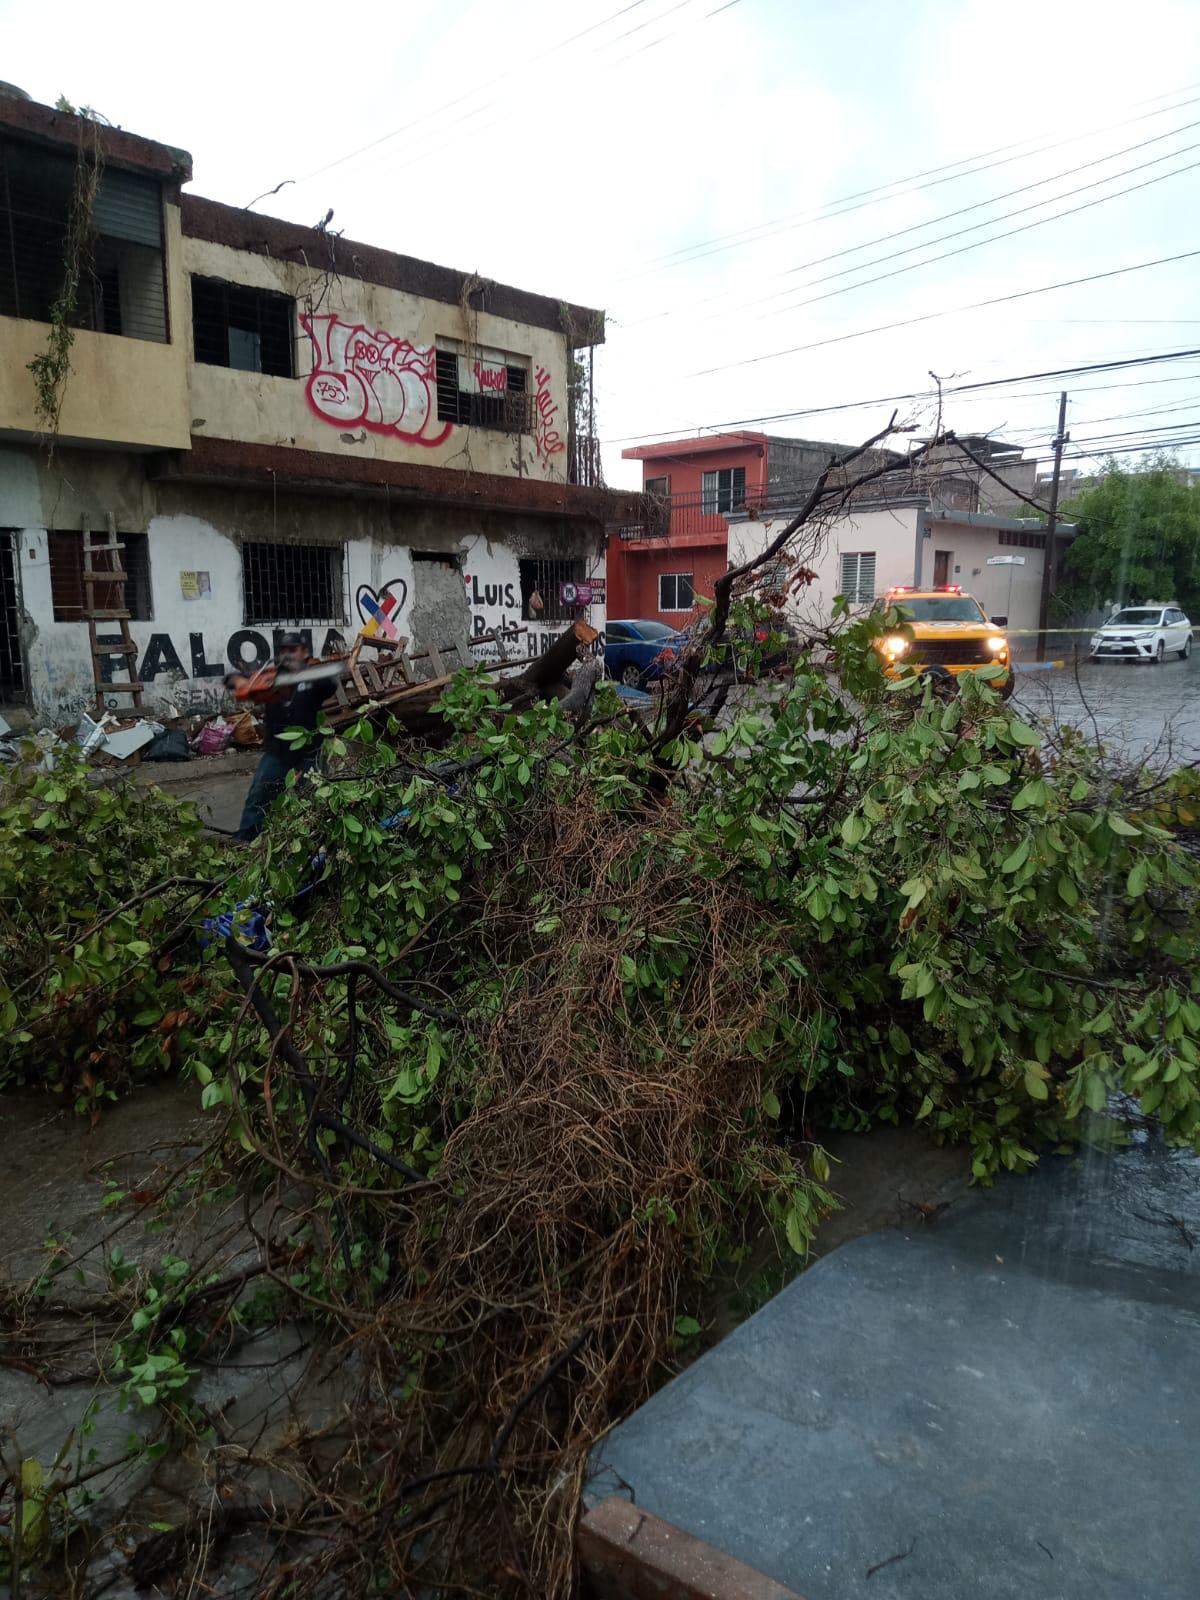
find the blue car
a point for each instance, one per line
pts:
(638, 652)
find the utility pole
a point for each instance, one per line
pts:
(1050, 554)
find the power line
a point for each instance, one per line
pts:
(883, 192)
(1009, 233)
(948, 216)
(449, 105)
(951, 311)
(505, 117)
(929, 394)
(443, 139)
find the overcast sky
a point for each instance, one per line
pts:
(705, 171)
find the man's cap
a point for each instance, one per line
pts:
(293, 641)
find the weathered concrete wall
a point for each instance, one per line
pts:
(364, 364)
(1013, 592)
(199, 627)
(890, 534)
(120, 391)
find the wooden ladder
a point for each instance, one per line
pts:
(111, 572)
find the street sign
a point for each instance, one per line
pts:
(1006, 561)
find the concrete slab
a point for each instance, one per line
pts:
(1002, 1402)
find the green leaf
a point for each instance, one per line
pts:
(1018, 858)
(1139, 876)
(686, 1327)
(1125, 830)
(1021, 733)
(916, 889)
(798, 1235)
(1096, 1092)
(854, 829)
(1101, 1023)
(925, 1108)
(1067, 891)
(969, 780)
(1035, 793)
(1035, 1081)
(770, 1102)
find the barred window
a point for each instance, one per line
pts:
(483, 390)
(724, 490)
(297, 583)
(1025, 541)
(121, 287)
(542, 579)
(247, 329)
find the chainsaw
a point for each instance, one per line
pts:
(269, 684)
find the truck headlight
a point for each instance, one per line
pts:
(896, 645)
(997, 645)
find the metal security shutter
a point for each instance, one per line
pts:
(129, 207)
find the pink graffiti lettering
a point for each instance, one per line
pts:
(387, 385)
(491, 377)
(546, 437)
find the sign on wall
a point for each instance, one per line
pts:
(590, 593)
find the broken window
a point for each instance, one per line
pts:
(723, 491)
(675, 592)
(120, 287)
(858, 576)
(247, 329)
(67, 594)
(482, 388)
(658, 486)
(540, 583)
(298, 583)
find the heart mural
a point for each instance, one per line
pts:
(380, 609)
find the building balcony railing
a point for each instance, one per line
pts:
(687, 516)
(700, 513)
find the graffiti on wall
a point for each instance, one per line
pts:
(380, 609)
(546, 437)
(244, 650)
(495, 606)
(386, 384)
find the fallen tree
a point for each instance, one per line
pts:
(549, 1021)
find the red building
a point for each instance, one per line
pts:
(657, 575)
(657, 568)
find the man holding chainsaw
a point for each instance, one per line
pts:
(287, 703)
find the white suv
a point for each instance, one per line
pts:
(1143, 633)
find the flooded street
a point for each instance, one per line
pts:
(1132, 706)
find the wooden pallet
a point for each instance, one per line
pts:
(392, 673)
(109, 570)
(389, 680)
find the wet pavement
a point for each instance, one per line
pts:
(999, 1402)
(1134, 706)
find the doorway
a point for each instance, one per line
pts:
(941, 568)
(12, 668)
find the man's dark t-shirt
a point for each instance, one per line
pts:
(298, 711)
